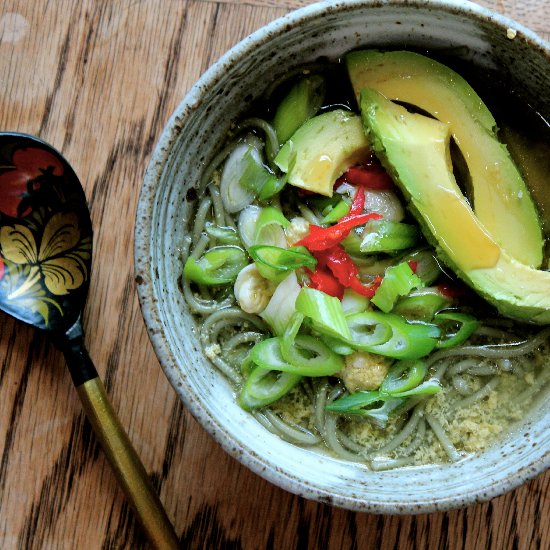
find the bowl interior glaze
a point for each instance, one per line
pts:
(189, 142)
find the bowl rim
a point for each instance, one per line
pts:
(144, 276)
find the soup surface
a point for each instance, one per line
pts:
(249, 254)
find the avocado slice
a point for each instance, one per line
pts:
(322, 149)
(501, 199)
(415, 151)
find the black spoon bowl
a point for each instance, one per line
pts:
(45, 262)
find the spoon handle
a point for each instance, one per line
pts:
(124, 460)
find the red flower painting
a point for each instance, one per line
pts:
(27, 165)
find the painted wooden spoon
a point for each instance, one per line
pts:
(45, 260)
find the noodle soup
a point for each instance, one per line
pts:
(470, 395)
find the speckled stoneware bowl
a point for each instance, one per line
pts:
(191, 139)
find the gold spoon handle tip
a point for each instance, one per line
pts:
(127, 466)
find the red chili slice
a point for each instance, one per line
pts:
(413, 265)
(358, 204)
(322, 279)
(372, 177)
(366, 290)
(339, 262)
(323, 238)
(341, 265)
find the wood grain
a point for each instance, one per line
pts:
(98, 80)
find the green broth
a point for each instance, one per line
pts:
(505, 385)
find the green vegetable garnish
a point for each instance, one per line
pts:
(421, 305)
(299, 105)
(306, 356)
(457, 327)
(269, 220)
(224, 235)
(388, 236)
(219, 265)
(325, 313)
(404, 379)
(255, 173)
(398, 281)
(403, 376)
(265, 386)
(275, 263)
(392, 336)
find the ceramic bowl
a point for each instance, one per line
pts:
(189, 142)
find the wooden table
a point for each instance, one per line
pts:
(98, 80)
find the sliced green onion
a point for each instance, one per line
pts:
(398, 281)
(427, 265)
(404, 379)
(337, 345)
(388, 236)
(333, 213)
(264, 386)
(430, 387)
(219, 265)
(282, 304)
(275, 263)
(272, 186)
(327, 205)
(255, 173)
(293, 326)
(235, 196)
(270, 226)
(368, 329)
(421, 304)
(308, 357)
(357, 403)
(458, 327)
(353, 302)
(354, 402)
(403, 376)
(302, 102)
(224, 235)
(246, 226)
(409, 340)
(271, 215)
(352, 243)
(276, 182)
(286, 157)
(324, 311)
(324, 204)
(363, 404)
(247, 365)
(271, 141)
(381, 415)
(392, 336)
(289, 336)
